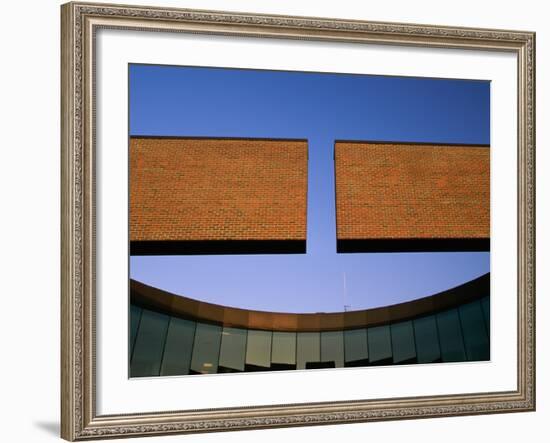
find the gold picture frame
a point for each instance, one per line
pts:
(80, 21)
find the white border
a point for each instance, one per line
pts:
(116, 394)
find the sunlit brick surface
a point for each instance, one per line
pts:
(186, 189)
(408, 191)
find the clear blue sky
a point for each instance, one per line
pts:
(190, 101)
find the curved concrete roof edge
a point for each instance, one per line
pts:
(187, 308)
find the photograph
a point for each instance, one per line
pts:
(290, 220)
(283, 220)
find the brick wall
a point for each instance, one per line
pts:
(407, 191)
(196, 189)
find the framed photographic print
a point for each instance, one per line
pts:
(282, 221)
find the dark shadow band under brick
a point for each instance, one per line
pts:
(414, 245)
(217, 247)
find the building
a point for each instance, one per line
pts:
(411, 197)
(215, 196)
(175, 335)
(230, 196)
(234, 196)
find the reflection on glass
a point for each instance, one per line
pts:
(402, 339)
(283, 351)
(178, 347)
(379, 340)
(476, 340)
(427, 340)
(233, 348)
(135, 317)
(450, 336)
(149, 345)
(355, 346)
(206, 348)
(308, 349)
(164, 345)
(258, 348)
(332, 347)
(485, 305)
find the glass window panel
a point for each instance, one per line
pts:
(149, 344)
(379, 342)
(402, 340)
(135, 317)
(427, 340)
(233, 348)
(355, 345)
(178, 347)
(206, 348)
(332, 347)
(486, 306)
(450, 336)
(258, 348)
(476, 340)
(284, 348)
(308, 348)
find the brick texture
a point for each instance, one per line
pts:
(184, 189)
(408, 191)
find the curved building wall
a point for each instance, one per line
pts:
(165, 342)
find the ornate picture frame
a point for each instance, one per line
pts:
(79, 417)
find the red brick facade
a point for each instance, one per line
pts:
(255, 190)
(408, 191)
(198, 189)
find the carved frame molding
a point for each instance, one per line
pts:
(80, 21)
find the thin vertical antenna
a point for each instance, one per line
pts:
(346, 306)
